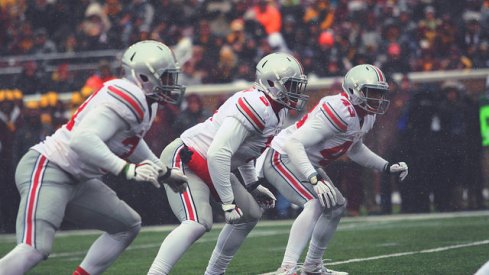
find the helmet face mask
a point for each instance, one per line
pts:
(152, 66)
(281, 77)
(366, 87)
(375, 100)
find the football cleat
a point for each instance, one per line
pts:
(320, 269)
(284, 270)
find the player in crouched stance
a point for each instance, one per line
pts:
(59, 178)
(335, 126)
(207, 153)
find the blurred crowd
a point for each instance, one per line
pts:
(435, 127)
(219, 41)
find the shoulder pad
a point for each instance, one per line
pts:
(253, 110)
(338, 111)
(127, 103)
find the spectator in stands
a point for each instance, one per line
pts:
(30, 80)
(226, 67)
(143, 15)
(9, 198)
(422, 149)
(42, 44)
(267, 14)
(448, 182)
(322, 12)
(193, 113)
(62, 79)
(37, 13)
(188, 76)
(94, 28)
(104, 73)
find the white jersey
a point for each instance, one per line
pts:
(128, 102)
(338, 114)
(250, 107)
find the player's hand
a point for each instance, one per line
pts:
(325, 191)
(232, 213)
(399, 168)
(264, 197)
(143, 171)
(174, 178)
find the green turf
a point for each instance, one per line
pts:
(262, 252)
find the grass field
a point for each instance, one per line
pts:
(453, 243)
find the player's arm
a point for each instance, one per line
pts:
(142, 152)
(89, 142)
(248, 173)
(228, 138)
(362, 155)
(89, 138)
(310, 133)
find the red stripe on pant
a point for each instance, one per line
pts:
(29, 231)
(290, 178)
(189, 205)
(198, 165)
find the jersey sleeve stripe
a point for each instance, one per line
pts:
(333, 117)
(129, 100)
(245, 108)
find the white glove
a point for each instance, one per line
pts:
(264, 197)
(400, 168)
(144, 171)
(232, 213)
(174, 178)
(325, 191)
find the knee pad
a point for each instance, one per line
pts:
(130, 234)
(207, 225)
(197, 226)
(338, 211)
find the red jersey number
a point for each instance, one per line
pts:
(71, 123)
(331, 154)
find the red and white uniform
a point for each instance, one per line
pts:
(332, 128)
(253, 111)
(60, 178)
(129, 103)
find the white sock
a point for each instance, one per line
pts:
(228, 243)
(105, 250)
(301, 232)
(322, 234)
(174, 245)
(20, 260)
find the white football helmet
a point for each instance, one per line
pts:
(281, 76)
(153, 67)
(367, 87)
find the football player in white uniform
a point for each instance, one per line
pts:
(336, 125)
(211, 151)
(60, 178)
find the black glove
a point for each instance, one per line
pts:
(186, 154)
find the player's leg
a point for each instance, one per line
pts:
(45, 190)
(191, 207)
(194, 211)
(323, 232)
(233, 235)
(96, 206)
(285, 178)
